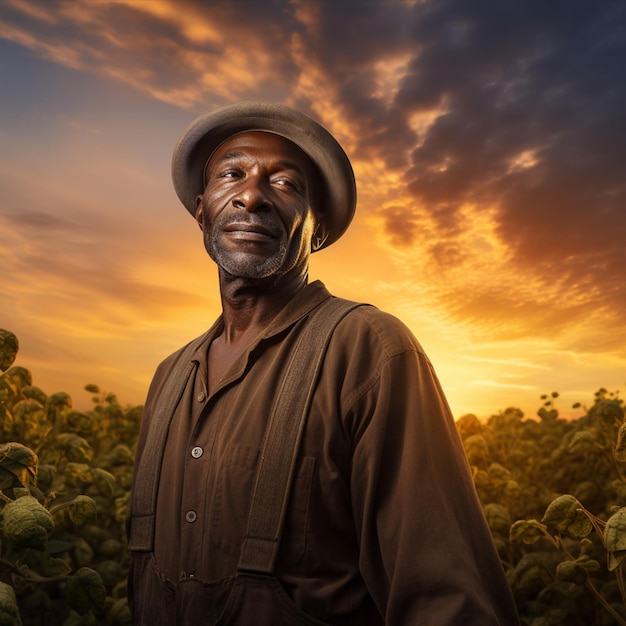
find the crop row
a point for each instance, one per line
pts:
(553, 492)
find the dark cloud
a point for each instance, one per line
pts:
(541, 79)
(534, 124)
(354, 42)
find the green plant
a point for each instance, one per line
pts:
(566, 568)
(64, 485)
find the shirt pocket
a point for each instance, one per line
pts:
(231, 504)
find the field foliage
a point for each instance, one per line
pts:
(553, 492)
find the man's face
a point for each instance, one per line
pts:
(257, 208)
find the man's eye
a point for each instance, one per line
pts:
(287, 183)
(229, 173)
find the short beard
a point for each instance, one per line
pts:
(242, 266)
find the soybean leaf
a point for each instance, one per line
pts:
(75, 448)
(104, 482)
(585, 441)
(531, 574)
(9, 346)
(587, 563)
(85, 591)
(615, 538)
(111, 572)
(476, 449)
(498, 517)
(569, 571)
(9, 612)
(565, 515)
(110, 548)
(526, 531)
(27, 523)
(59, 567)
(78, 474)
(20, 460)
(82, 509)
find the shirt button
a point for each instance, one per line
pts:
(201, 396)
(191, 516)
(197, 452)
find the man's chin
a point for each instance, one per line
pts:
(252, 267)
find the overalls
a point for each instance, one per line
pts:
(253, 596)
(246, 599)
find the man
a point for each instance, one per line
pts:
(381, 523)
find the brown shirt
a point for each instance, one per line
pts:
(383, 521)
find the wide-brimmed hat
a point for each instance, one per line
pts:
(208, 131)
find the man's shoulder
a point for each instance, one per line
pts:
(369, 326)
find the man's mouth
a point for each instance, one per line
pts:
(247, 229)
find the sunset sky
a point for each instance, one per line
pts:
(488, 140)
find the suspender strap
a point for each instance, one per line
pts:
(149, 469)
(282, 437)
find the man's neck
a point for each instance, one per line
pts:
(249, 305)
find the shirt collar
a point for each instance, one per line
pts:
(301, 305)
(298, 307)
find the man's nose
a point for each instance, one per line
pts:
(252, 196)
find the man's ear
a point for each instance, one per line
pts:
(320, 235)
(199, 214)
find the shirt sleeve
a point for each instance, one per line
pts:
(427, 556)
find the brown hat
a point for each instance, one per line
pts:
(208, 131)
